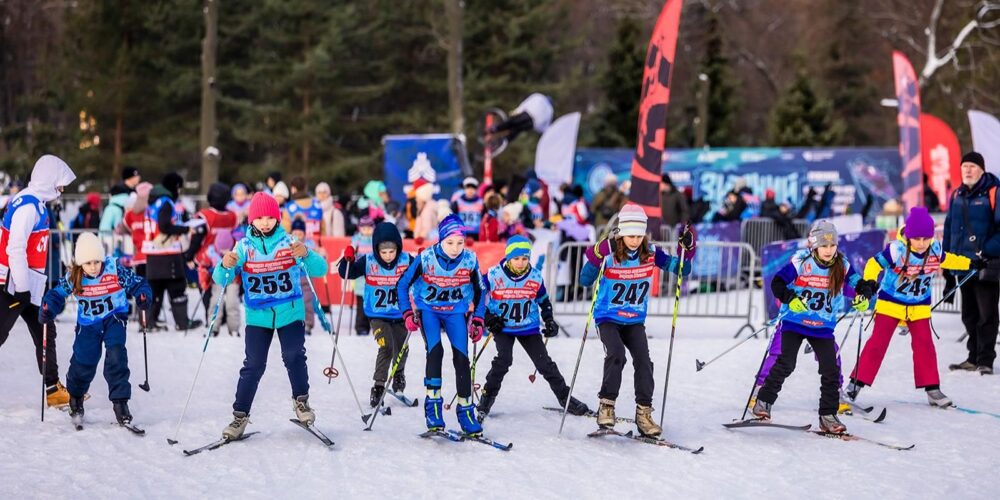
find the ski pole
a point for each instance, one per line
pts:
(392, 373)
(475, 359)
(759, 368)
(204, 349)
(45, 364)
(699, 365)
(531, 378)
(953, 290)
(328, 327)
(331, 371)
(583, 341)
(673, 330)
(326, 284)
(145, 357)
(201, 299)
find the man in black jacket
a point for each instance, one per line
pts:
(972, 229)
(166, 260)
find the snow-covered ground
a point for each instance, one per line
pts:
(955, 452)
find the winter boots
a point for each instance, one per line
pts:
(831, 424)
(486, 401)
(576, 407)
(236, 428)
(644, 422)
(303, 412)
(56, 395)
(762, 410)
(852, 390)
(937, 398)
(753, 397)
(376, 396)
(398, 382)
(433, 404)
(985, 370)
(964, 365)
(466, 413)
(122, 415)
(606, 414)
(76, 410)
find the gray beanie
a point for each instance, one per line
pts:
(822, 232)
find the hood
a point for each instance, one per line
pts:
(49, 173)
(159, 192)
(120, 199)
(120, 189)
(173, 183)
(218, 196)
(385, 231)
(372, 191)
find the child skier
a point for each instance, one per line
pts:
(268, 263)
(449, 283)
(904, 295)
(519, 309)
(102, 289)
(628, 262)
(810, 288)
(381, 271)
(362, 243)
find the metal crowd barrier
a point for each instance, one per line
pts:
(719, 286)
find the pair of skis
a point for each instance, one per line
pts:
(458, 437)
(310, 428)
(808, 428)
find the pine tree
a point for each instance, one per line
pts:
(722, 103)
(621, 83)
(802, 118)
(848, 74)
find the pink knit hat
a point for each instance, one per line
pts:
(262, 205)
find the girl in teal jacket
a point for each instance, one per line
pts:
(269, 265)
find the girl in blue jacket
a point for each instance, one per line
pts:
(628, 263)
(102, 289)
(268, 263)
(446, 284)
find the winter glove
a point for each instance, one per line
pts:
(949, 286)
(45, 315)
(229, 260)
(860, 303)
(866, 288)
(476, 327)
(598, 252)
(143, 302)
(349, 253)
(551, 328)
(797, 306)
(412, 321)
(418, 240)
(494, 323)
(687, 240)
(978, 263)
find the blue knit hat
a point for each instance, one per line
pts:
(450, 226)
(518, 246)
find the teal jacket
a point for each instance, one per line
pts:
(282, 314)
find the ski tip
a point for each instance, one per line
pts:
(698, 365)
(172, 442)
(364, 418)
(387, 411)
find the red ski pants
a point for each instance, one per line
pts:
(925, 371)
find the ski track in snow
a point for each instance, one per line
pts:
(51, 459)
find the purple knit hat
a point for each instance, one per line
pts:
(919, 224)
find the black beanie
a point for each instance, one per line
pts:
(173, 182)
(974, 157)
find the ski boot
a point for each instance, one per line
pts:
(466, 412)
(122, 415)
(831, 424)
(56, 396)
(486, 401)
(762, 410)
(376, 396)
(852, 390)
(303, 412)
(964, 365)
(985, 370)
(753, 397)
(433, 403)
(937, 398)
(76, 410)
(576, 407)
(236, 428)
(398, 382)
(606, 414)
(644, 422)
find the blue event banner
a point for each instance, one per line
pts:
(444, 151)
(858, 247)
(854, 173)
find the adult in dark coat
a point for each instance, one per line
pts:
(972, 229)
(166, 260)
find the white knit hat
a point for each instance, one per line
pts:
(280, 189)
(632, 220)
(88, 249)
